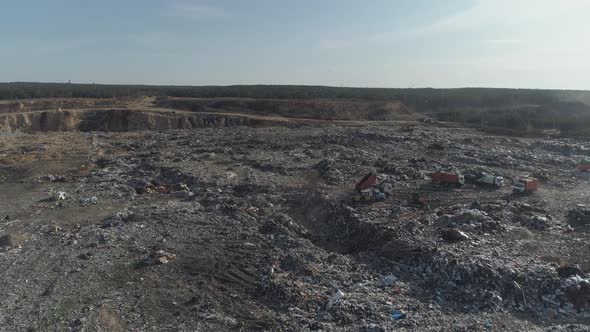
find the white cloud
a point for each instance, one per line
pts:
(497, 19)
(509, 14)
(504, 43)
(194, 10)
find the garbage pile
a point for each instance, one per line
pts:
(328, 171)
(470, 220)
(580, 215)
(335, 228)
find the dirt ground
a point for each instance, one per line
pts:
(242, 228)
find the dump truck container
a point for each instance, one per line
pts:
(526, 185)
(448, 178)
(366, 182)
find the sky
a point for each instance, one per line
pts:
(362, 43)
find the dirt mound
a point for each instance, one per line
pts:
(324, 109)
(12, 241)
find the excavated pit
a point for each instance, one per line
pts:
(119, 120)
(335, 227)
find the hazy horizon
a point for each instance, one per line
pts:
(302, 85)
(384, 44)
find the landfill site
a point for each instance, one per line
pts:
(172, 214)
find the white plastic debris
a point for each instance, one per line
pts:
(158, 258)
(574, 282)
(387, 188)
(335, 298)
(389, 280)
(58, 195)
(231, 178)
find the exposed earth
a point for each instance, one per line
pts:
(233, 218)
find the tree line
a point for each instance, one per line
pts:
(421, 98)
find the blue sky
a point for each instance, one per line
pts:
(372, 43)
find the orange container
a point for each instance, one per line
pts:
(526, 185)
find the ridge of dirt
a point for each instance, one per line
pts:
(149, 118)
(323, 109)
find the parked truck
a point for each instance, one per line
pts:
(490, 179)
(448, 178)
(525, 186)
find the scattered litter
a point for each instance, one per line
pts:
(569, 270)
(328, 171)
(469, 219)
(54, 178)
(231, 179)
(387, 188)
(580, 214)
(517, 286)
(120, 218)
(537, 222)
(397, 315)
(577, 289)
(183, 194)
(158, 257)
(151, 189)
(335, 298)
(12, 241)
(249, 220)
(84, 201)
(389, 280)
(58, 195)
(454, 235)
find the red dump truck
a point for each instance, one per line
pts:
(525, 185)
(363, 191)
(450, 178)
(366, 182)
